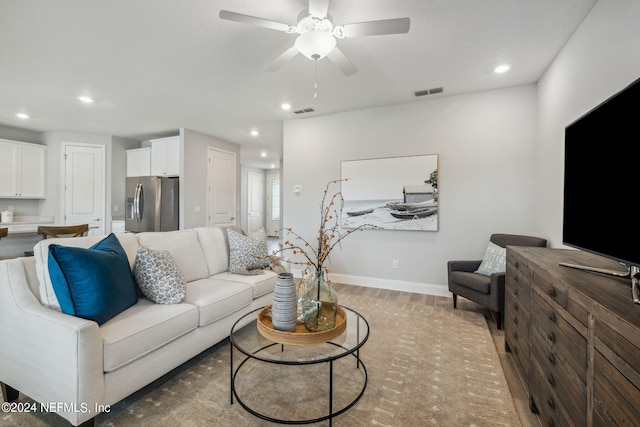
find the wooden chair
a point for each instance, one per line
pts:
(4, 232)
(63, 230)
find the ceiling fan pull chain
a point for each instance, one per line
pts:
(315, 85)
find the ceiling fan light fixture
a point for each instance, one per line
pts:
(315, 44)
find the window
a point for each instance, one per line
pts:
(275, 200)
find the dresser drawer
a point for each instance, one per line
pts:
(517, 338)
(557, 294)
(549, 408)
(569, 389)
(616, 391)
(557, 335)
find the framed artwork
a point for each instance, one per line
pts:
(393, 193)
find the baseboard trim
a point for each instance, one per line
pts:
(394, 285)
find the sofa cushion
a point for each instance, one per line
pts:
(141, 329)
(217, 298)
(158, 276)
(128, 241)
(261, 283)
(183, 246)
(494, 260)
(247, 252)
(215, 247)
(94, 283)
(478, 282)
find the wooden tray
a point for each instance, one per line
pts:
(300, 336)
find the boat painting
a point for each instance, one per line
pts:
(398, 193)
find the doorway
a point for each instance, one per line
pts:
(84, 186)
(221, 187)
(255, 201)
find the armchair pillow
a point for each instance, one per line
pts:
(494, 260)
(94, 283)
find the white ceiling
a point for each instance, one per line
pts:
(154, 66)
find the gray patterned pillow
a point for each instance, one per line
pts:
(158, 276)
(247, 252)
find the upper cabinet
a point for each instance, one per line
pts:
(22, 170)
(165, 156)
(139, 162)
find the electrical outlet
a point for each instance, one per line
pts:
(395, 264)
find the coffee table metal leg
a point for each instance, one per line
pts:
(231, 369)
(330, 393)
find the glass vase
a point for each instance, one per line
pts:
(319, 302)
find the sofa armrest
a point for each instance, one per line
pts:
(48, 355)
(496, 290)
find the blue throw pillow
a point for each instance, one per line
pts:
(94, 283)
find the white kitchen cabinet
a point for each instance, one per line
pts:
(165, 156)
(117, 227)
(22, 170)
(139, 162)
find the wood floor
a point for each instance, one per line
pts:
(520, 400)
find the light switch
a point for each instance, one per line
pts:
(297, 189)
(196, 208)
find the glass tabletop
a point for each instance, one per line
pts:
(246, 338)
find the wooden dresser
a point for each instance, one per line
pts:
(574, 337)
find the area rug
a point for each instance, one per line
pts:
(427, 366)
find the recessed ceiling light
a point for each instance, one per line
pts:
(263, 154)
(285, 106)
(273, 166)
(85, 99)
(22, 115)
(502, 68)
(255, 133)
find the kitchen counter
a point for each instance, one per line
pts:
(26, 224)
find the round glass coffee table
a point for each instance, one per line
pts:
(297, 384)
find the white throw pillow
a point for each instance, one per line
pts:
(159, 277)
(494, 260)
(247, 252)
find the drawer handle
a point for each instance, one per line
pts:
(551, 423)
(515, 291)
(552, 358)
(515, 335)
(517, 264)
(551, 380)
(515, 350)
(552, 337)
(515, 307)
(515, 320)
(552, 292)
(516, 278)
(552, 317)
(551, 403)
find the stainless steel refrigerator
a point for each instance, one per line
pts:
(152, 204)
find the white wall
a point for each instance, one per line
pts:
(600, 59)
(486, 147)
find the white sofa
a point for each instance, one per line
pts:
(55, 357)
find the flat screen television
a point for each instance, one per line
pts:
(602, 179)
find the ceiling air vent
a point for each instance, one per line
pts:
(428, 91)
(304, 111)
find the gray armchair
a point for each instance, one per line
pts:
(488, 291)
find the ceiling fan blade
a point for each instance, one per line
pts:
(337, 57)
(253, 20)
(282, 59)
(374, 28)
(318, 8)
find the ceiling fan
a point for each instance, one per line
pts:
(317, 34)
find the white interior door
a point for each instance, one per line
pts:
(255, 193)
(221, 188)
(85, 192)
